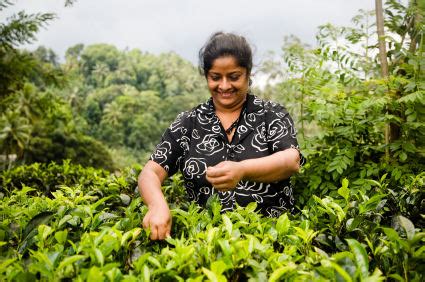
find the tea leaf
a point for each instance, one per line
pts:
(360, 256)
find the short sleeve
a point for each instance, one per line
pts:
(173, 145)
(281, 132)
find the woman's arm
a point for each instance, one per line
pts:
(278, 166)
(158, 217)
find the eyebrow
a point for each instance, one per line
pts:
(230, 73)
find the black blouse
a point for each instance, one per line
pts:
(197, 140)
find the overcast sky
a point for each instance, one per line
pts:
(183, 26)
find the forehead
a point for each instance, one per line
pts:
(225, 65)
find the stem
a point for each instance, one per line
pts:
(302, 106)
(384, 65)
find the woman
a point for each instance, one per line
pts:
(235, 145)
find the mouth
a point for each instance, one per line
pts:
(227, 94)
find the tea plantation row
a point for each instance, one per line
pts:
(66, 222)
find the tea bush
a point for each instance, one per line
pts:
(93, 231)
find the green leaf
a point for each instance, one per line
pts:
(283, 223)
(70, 260)
(391, 234)
(406, 224)
(95, 274)
(61, 236)
(44, 231)
(418, 253)
(281, 271)
(31, 230)
(403, 156)
(341, 271)
(4, 264)
(344, 191)
(417, 238)
(146, 273)
(218, 267)
(396, 276)
(418, 96)
(130, 234)
(99, 256)
(41, 218)
(360, 256)
(225, 247)
(154, 261)
(212, 276)
(227, 224)
(376, 276)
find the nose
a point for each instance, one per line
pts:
(224, 84)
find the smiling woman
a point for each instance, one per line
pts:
(236, 146)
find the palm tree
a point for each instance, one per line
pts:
(112, 113)
(100, 72)
(14, 134)
(27, 102)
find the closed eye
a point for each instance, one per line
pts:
(215, 77)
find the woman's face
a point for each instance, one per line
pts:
(228, 83)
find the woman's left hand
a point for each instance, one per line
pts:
(225, 175)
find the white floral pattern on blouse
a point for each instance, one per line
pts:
(196, 140)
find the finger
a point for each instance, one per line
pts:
(223, 187)
(221, 164)
(217, 172)
(154, 233)
(220, 180)
(212, 172)
(145, 221)
(162, 232)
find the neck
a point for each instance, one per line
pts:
(237, 108)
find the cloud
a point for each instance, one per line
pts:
(183, 26)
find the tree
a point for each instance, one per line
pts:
(95, 56)
(14, 135)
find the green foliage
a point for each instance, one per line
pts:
(17, 67)
(47, 177)
(36, 125)
(89, 226)
(342, 109)
(21, 28)
(128, 98)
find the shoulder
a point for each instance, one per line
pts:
(268, 106)
(186, 119)
(274, 107)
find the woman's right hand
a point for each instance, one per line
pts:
(158, 221)
(158, 217)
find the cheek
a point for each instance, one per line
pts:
(211, 85)
(243, 87)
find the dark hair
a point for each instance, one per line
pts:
(222, 44)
